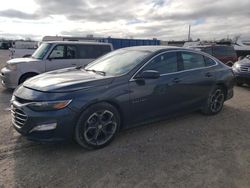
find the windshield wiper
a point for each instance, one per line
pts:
(96, 71)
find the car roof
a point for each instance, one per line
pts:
(159, 49)
(76, 42)
(154, 48)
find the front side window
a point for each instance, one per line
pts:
(57, 52)
(192, 60)
(118, 62)
(41, 51)
(165, 63)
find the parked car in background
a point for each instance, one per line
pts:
(225, 53)
(124, 88)
(51, 56)
(242, 71)
(117, 43)
(21, 49)
(242, 48)
(5, 45)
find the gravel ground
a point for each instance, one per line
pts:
(188, 151)
(4, 56)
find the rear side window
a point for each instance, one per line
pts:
(192, 60)
(71, 52)
(165, 63)
(223, 51)
(209, 61)
(92, 51)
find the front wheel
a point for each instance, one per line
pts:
(238, 83)
(214, 102)
(97, 126)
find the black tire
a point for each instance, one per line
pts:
(97, 126)
(215, 101)
(26, 77)
(239, 83)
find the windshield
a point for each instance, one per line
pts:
(41, 51)
(118, 62)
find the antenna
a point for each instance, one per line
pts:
(189, 32)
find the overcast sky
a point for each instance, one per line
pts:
(162, 19)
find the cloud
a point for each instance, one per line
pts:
(11, 13)
(163, 19)
(96, 11)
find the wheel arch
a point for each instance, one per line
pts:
(224, 87)
(27, 74)
(111, 102)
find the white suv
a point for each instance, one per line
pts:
(51, 56)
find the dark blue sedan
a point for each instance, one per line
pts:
(124, 88)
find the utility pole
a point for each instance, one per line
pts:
(189, 32)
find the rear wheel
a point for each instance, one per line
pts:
(97, 126)
(215, 102)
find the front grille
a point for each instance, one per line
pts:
(19, 118)
(244, 69)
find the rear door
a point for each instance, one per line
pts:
(196, 79)
(62, 56)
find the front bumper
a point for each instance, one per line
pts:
(25, 121)
(9, 78)
(243, 77)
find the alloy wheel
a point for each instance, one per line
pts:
(99, 127)
(217, 100)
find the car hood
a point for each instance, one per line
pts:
(66, 80)
(22, 60)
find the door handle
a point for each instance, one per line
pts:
(208, 74)
(176, 80)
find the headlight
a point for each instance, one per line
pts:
(11, 66)
(236, 66)
(48, 106)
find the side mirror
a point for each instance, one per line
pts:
(149, 74)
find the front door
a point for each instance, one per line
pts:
(62, 56)
(150, 98)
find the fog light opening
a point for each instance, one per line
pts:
(44, 127)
